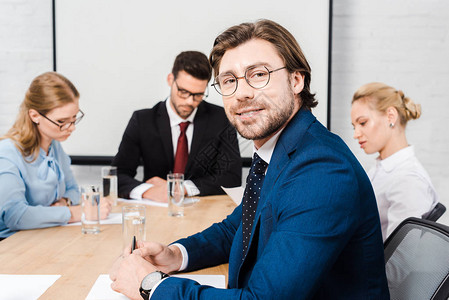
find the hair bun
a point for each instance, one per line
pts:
(412, 110)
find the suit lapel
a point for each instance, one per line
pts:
(163, 126)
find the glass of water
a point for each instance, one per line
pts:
(133, 217)
(109, 175)
(90, 209)
(176, 192)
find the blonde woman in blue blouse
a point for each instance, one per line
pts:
(37, 187)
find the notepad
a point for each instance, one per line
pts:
(101, 290)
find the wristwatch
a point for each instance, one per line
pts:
(149, 281)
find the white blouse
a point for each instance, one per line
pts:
(403, 189)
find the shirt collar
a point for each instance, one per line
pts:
(50, 150)
(389, 163)
(266, 151)
(175, 120)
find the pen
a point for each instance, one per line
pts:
(134, 244)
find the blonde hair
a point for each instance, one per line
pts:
(382, 96)
(46, 92)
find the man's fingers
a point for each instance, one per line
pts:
(156, 180)
(140, 244)
(127, 251)
(151, 249)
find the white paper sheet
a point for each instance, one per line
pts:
(18, 287)
(187, 201)
(143, 201)
(113, 218)
(101, 290)
(236, 193)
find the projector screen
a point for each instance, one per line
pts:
(118, 54)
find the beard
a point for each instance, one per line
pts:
(276, 116)
(183, 114)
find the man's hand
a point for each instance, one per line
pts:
(127, 274)
(158, 192)
(157, 181)
(129, 269)
(165, 259)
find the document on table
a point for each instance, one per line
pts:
(102, 287)
(236, 193)
(12, 286)
(143, 201)
(187, 201)
(113, 218)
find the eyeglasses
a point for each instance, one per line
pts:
(257, 77)
(184, 94)
(65, 126)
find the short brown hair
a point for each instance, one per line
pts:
(284, 42)
(194, 63)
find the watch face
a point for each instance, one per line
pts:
(150, 280)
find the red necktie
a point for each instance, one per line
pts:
(182, 151)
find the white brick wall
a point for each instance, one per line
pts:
(26, 50)
(404, 43)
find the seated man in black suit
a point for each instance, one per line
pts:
(183, 134)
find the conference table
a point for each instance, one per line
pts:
(81, 258)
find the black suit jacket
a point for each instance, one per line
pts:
(214, 158)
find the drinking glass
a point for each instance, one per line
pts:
(133, 217)
(90, 209)
(175, 182)
(109, 175)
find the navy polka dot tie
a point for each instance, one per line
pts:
(254, 183)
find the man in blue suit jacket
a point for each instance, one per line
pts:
(316, 231)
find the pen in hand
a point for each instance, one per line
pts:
(133, 247)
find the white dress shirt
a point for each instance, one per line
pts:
(403, 189)
(175, 120)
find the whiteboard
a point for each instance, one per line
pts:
(118, 54)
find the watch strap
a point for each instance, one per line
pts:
(146, 293)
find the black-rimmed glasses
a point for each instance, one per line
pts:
(184, 94)
(257, 77)
(65, 126)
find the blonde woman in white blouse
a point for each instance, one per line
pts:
(402, 186)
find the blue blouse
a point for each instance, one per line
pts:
(28, 189)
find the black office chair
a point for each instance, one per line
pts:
(417, 260)
(435, 213)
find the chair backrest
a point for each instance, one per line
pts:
(417, 260)
(435, 213)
